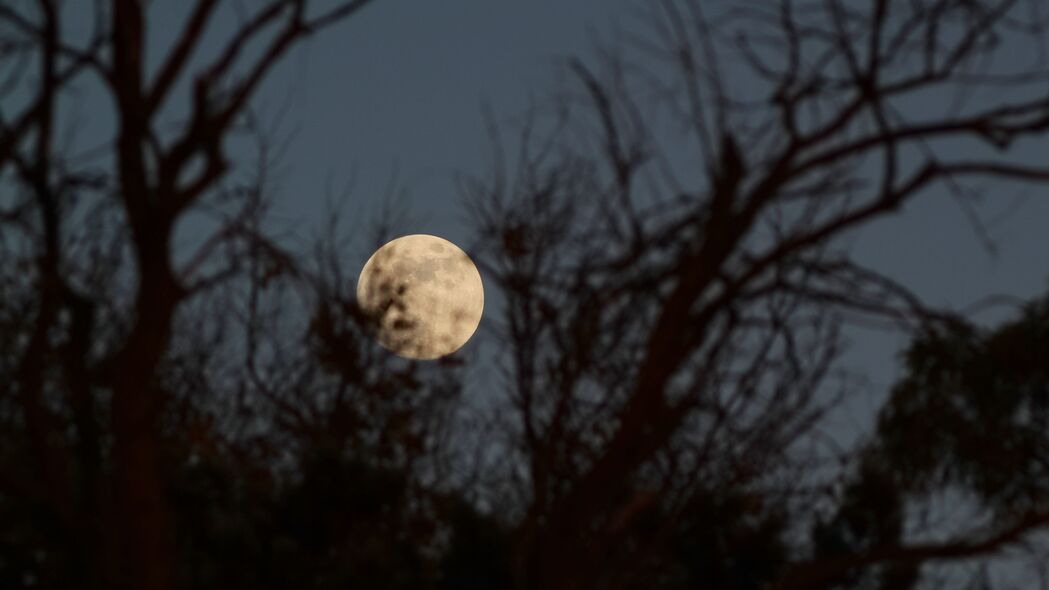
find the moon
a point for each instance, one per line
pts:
(424, 295)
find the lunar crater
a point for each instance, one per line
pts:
(424, 295)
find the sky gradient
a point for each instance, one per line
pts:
(397, 92)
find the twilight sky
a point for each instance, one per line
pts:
(399, 87)
(402, 85)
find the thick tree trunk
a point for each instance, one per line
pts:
(144, 531)
(143, 538)
(144, 544)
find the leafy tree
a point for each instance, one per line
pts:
(990, 392)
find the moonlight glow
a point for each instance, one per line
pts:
(425, 295)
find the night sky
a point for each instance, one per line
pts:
(399, 89)
(391, 101)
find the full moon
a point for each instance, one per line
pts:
(424, 294)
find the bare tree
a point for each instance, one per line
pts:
(674, 301)
(86, 375)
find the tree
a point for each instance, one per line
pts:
(673, 305)
(985, 390)
(123, 408)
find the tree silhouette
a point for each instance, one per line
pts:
(674, 302)
(665, 234)
(985, 391)
(136, 378)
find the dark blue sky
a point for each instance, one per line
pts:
(400, 86)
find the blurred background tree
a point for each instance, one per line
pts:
(167, 421)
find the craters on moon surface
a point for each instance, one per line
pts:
(424, 294)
